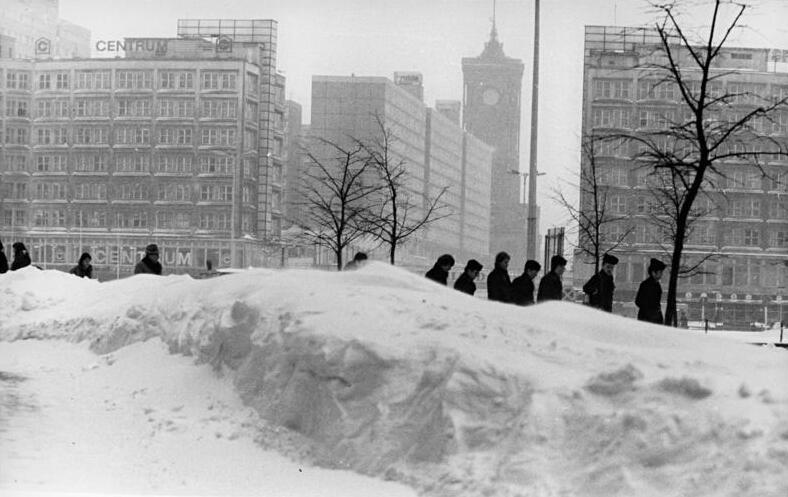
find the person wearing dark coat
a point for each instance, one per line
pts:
(650, 293)
(358, 260)
(465, 282)
(600, 287)
(21, 257)
(3, 260)
(440, 271)
(499, 285)
(150, 263)
(523, 285)
(83, 269)
(550, 287)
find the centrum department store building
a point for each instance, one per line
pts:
(178, 143)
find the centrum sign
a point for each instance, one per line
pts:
(157, 46)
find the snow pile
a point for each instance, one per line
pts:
(390, 375)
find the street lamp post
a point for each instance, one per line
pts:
(531, 226)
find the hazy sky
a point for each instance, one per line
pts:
(378, 37)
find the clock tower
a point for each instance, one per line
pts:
(491, 112)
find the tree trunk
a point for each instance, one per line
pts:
(675, 266)
(392, 251)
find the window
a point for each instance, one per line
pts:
(51, 164)
(49, 218)
(16, 163)
(132, 163)
(16, 80)
(61, 81)
(129, 220)
(49, 108)
(50, 191)
(51, 136)
(134, 191)
(610, 117)
(218, 136)
(135, 107)
(174, 164)
(216, 108)
(218, 80)
(91, 136)
(17, 136)
(44, 81)
(752, 237)
(214, 221)
(132, 136)
(173, 220)
(91, 107)
(135, 80)
(90, 163)
(779, 209)
(612, 88)
(216, 193)
(180, 107)
(176, 80)
(15, 217)
(214, 164)
(656, 118)
(175, 136)
(90, 191)
(174, 193)
(656, 90)
(16, 108)
(93, 80)
(16, 191)
(618, 204)
(642, 205)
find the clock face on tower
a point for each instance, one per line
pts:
(490, 96)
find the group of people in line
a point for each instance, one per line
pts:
(149, 264)
(599, 289)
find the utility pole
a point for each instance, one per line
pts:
(531, 227)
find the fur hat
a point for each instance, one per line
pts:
(656, 265)
(609, 259)
(152, 249)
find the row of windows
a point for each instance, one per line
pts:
(741, 180)
(666, 118)
(124, 135)
(138, 163)
(746, 237)
(737, 208)
(653, 89)
(125, 79)
(216, 108)
(60, 218)
(127, 191)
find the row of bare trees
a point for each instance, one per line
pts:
(687, 158)
(361, 190)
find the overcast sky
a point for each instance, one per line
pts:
(378, 37)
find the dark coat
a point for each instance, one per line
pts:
(465, 284)
(82, 273)
(648, 301)
(550, 288)
(499, 286)
(3, 262)
(600, 290)
(523, 290)
(20, 260)
(438, 275)
(147, 266)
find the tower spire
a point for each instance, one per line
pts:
(493, 48)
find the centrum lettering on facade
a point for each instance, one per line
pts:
(156, 45)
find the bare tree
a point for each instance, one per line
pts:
(397, 216)
(593, 217)
(337, 197)
(711, 128)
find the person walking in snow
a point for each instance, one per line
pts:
(600, 287)
(465, 282)
(3, 260)
(358, 260)
(650, 294)
(499, 285)
(150, 263)
(523, 286)
(21, 257)
(550, 286)
(83, 269)
(440, 271)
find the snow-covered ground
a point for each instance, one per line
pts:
(250, 383)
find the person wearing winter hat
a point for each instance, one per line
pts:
(499, 284)
(650, 293)
(523, 286)
(440, 271)
(150, 263)
(21, 257)
(83, 269)
(600, 287)
(550, 286)
(465, 282)
(3, 260)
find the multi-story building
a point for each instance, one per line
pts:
(33, 28)
(745, 226)
(177, 143)
(437, 152)
(491, 111)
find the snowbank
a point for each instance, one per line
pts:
(388, 374)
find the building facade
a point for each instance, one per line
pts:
(437, 152)
(33, 29)
(491, 112)
(175, 145)
(745, 223)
